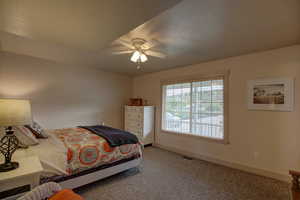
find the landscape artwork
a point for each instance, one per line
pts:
(271, 94)
(268, 94)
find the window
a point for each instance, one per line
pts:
(195, 108)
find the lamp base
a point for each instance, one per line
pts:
(8, 166)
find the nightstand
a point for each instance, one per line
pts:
(16, 182)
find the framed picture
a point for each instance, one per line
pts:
(271, 94)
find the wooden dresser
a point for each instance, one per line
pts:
(139, 120)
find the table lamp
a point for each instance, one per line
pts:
(13, 112)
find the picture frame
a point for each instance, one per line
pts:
(275, 94)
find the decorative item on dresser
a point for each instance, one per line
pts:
(13, 112)
(137, 102)
(139, 120)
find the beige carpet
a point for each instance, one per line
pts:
(165, 175)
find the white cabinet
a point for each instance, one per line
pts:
(139, 120)
(16, 182)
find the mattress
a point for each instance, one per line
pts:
(73, 150)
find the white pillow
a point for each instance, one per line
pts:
(25, 136)
(37, 130)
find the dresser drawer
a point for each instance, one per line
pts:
(134, 128)
(134, 117)
(134, 109)
(133, 124)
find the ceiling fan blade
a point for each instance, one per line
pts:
(125, 43)
(155, 54)
(152, 44)
(122, 52)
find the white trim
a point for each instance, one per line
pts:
(209, 139)
(242, 167)
(98, 175)
(191, 107)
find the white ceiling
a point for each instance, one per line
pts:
(82, 32)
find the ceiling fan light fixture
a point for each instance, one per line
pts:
(143, 57)
(135, 56)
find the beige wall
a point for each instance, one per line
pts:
(66, 96)
(273, 136)
(62, 95)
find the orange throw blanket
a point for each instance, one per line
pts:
(66, 194)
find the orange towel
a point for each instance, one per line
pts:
(66, 194)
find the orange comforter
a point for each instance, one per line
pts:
(87, 150)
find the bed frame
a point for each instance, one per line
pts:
(95, 174)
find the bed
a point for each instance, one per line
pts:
(76, 156)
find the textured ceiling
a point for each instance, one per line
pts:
(188, 31)
(87, 24)
(71, 31)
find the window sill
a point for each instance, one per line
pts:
(187, 135)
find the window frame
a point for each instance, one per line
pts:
(195, 78)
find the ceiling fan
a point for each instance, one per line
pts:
(140, 50)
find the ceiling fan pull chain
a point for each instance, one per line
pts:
(139, 63)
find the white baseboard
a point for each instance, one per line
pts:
(261, 172)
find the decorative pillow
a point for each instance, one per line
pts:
(25, 137)
(66, 194)
(37, 130)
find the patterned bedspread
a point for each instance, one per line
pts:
(87, 150)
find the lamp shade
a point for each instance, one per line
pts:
(15, 112)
